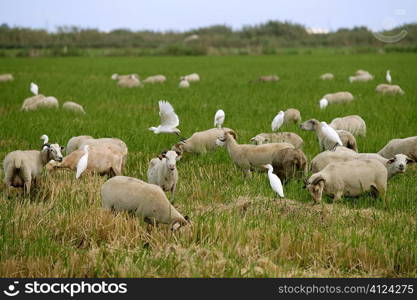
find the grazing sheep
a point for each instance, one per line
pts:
(122, 77)
(395, 165)
(361, 78)
(407, 146)
(104, 141)
(75, 143)
(267, 78)
(6, 77)
(339, 97)
(129, 82)
(327, 76)
(184, 84)
(292, 115)
(354, 124)
(39, 101)
(290, 163)
(104, 159)
(351, 178)
(22, 168)
(190, 77)
(278, 137)
(163, 171)
(389, 89)
(250, 156)
(145, 200)
(155, 79)
(348, 140)
(72, 106)
(201, 141)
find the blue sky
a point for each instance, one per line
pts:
(185, 14)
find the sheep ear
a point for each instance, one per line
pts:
(175, 226)
(252, 139)
(187, 218)
(410, 161)
(390, 161)
(232, 134)
(317, 180)
(178, 153)
(62, 148)
(305, 183)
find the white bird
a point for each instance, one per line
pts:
(277, 121)
(34, 88)
(184, 84)
(219, 118)
(45, 139)
(274, 181)
(331, 134)
(323, 103)
(169, 119)
(388, 77)
(82, 163)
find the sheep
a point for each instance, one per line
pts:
(389, 89)
(292, 115)
(288, 163)
(122, 77)
(267, 78)
(6, 77)
(249, 156)
(339, 97)
(201, 141)
(145, 200)
(184, 84)
(361, 78)
(39, 101)
(397, 164)
(348, 140)
(190, 77)
(163, 171)
(22, 168)
(155, 79)
(327, 76)
(407, 146)
(130, 81)
(278, 137)
(75, 143)
(104, 159)
(353, 123)
(72, 106)
(351, 178)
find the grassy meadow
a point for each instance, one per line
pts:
(238, 228)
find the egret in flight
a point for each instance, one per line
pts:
(169, 119)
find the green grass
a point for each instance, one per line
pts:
(238, 228)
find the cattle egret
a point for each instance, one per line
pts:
(388, 77)
(219, 118)
(323, 103)
(45, 139)
(82, 163)
(331, 135)
(169, 119)
(274, 181)
(278, 121)
(34, 88)
(184, 84)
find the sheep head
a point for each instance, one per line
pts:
(171, 158)
(315, 186)
(310, 125)
(51, 152)
(398, 164)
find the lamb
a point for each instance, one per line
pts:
(267, 78)
(278, 137)
(201, 141)
(163, 171)
(290, 163)
(23, 168)
(327, 76)
(145, 200)
(130, 81)
(389, 89)
(348, 140)
(292, 115)
(354, 124)
(39, 101)
(351, 178)
(6, 77)
(395, 165)
(155, 79)
(75, 143)
(104, 159)
(407, 146)
(339, 97)
(72, 106)
(250, 156)
(190, 77)
(184, 84)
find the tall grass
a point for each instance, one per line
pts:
(238, 229)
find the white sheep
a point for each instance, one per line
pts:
(339, 97)
(22, 168)
(143, 199)
(75, 143)
(407, 146)
(184, 84)
(163, 171)
(327, 76)
(361, 78)
(39, 101)
(389, 89)
(278, 137)
(348, 140)
(72, 106)
(352, 178)
(129, 82)
(190, 77)
(6, 77)
(353, 123)
(155, 79)
(267, 78)
(292, 115)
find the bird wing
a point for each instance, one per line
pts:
(277, 122)
(219, 118)
(168, 116)
(82, 165)
(332, 134)
(276, 185)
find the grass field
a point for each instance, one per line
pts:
(238, 228)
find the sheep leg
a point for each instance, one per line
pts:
(247, 173)
(26, 187)
(172, 193)
(338, 196)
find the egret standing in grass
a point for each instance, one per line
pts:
(323, 103)
(82, 163)
(34, 88)
(169, 119)
(331, 135)
(278, 121)
(219, 118)
(274, 181)
(388, 77)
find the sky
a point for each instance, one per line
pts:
(181, 15)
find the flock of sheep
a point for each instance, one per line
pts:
(339, 170)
